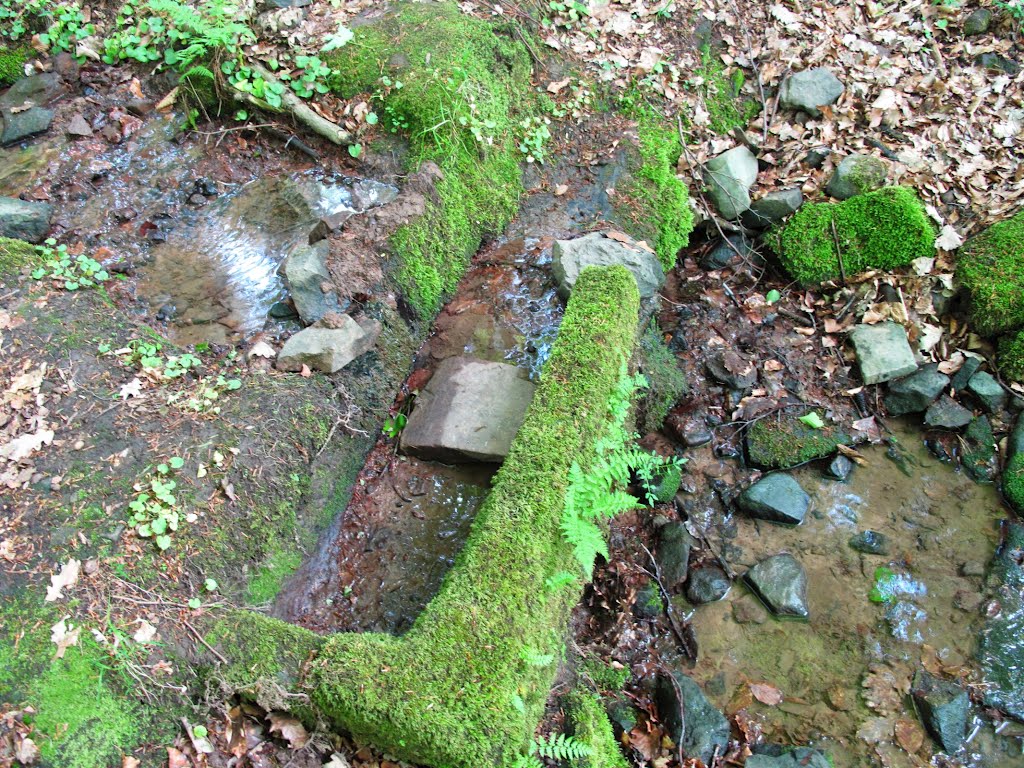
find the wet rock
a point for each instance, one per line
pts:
(1000, 644)
(988, 392)
(596, 250)
(777, 498)
(916, 392)
(328, 225)
(729, 177)
(736, 371)
(967, 370)
(943, 707)
(34, 91)
(648, 603)
(772, 208)
(781, 582)
(1015, 442)
(24, 219)
(997, 63)
(979, 454)
(783, 441)
(622, 715)
(282, 310)
(839, 468)
(469, 411)
(883, 352)
(806, 91)
(726, 253)
(856, 175)
(707, 584)
(870, 543)
(748, 610)
(798, 757)
(697, 435)
(692, 723)
(78, 126)
(22, 125)
(305, 272)
(977, 22)
(674, 544)
(327, 349)
(947, 413)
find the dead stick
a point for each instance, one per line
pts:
(200, 638)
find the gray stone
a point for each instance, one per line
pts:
(947, 413)
(816, 158)
(977, 22)
(943, 707)
(327, 349)
(79, 126)
(856, 175)
(989, 393)
(810, 89)
(648, 602)
(781, 582)
(470, 410)
(997, 63)
(772, 208)
(305, 271)
(799, 757)
(967, 370)
(916, 392)
(999, 645)
(777, 498)
(840, 468)
(707, 584)
(24, 220)
(570, 257)
(622, 715)
(275, 5)
(978, 457)
(702, 728)
(726, 253)
(729, 177)
(674, 543)
(870, 543)
(22, 125)
(34, 91)
(883, 352)
(732, 369)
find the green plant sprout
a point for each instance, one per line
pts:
(75, 271)
(154, 512)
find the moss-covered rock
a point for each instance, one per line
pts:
(783, 441)
(15, 255)
(877, 230)
(665, 379)
(1011, 356)
(591, 726)
(1013, 482)
(991, 267)
(12, 63)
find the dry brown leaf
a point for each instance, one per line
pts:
(26, 752)
(909, 735)
(177, 759)
(646, 743)
(291, 729)
(67, 577)
(130, 762)
(847, 451)
(766, 694)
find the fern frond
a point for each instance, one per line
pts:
(559, 580)
(199, 71)
(535, 658)
(558, 746)
(527, 761)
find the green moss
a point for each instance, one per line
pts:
(465, 86)
(721, 94)
(882, 230)
(12, 63)
(783, 441)
(991, 267)
(603, 675)
(1011, 356)
(590, 725)
(1013, 482)
(665, 378)
(270, 576)
(15, 255)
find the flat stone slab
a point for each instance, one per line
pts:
(24, 219)
(986, 389)
(772, 208)
(470, 410)
(780, 581)
(777, 498)
(947, 413)
(883, 352)
(22, 125)
(327, 349)
(810, 89)
(570, 257)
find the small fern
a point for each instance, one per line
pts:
(528, 761)
(558, 746)
(559, 580)
(535, 659)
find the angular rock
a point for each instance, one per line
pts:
(1000, 641)
(967, 370)
(596, 250)
(305, 271)
(772, 208)
(729, 177)
(977, 22)
(856, 175)
(947, 413)
(22, 125)
(327, 349)
(707, 584)
(799, 757)
(783, 441)
(79, 126)
(328, 225)
(648, 602)
(622, 715)
(674, 544)
(702, 728)
(840, 468)
(916, 392)
(780, 581)
(734, 370)
(870, 543)
(883, 352)
(777, 498)
(943, 707)
(275, 5)
(989, 393)
(469, 411)
(979, 453)
(997, 63)
(24, 219)
(810, 89)
(34, 91)
(726, 253)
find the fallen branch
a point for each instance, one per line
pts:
(684, 633)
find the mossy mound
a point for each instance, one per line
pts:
(15, 255)
(665, 379)
(12, 63)
(1013, 482)
(991, 267)
(1011, 356)
(591, 726)
(884, 229)
(783, 441)
(603, 675)
(721, 92)
(458, 88)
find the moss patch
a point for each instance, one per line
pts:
(1011, 356)
(882, 230)
(465, 87)
(991, 267)
(591, 726)
(721, 94)
(15, 255)
(783, 441)
(604, 675)
(665, 378)
(1013, 482)
(12, 63)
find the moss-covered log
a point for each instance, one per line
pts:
(464, 687)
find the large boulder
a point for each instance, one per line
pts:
(305, 271)
(730, 177)
(328, 349)
(692, 722)
(469, 411)
(24, 220)
(777, 498)
(856, 175)
(570, 257)
(808, 90)
(883, 352)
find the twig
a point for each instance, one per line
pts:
(686, 641)
(200, 638)
(882, 148)
(682, 714)
(292, 140)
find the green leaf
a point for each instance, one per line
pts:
(355, 149)
(199, 731)
(211, 585)
(195, 603)
(163, 469)
(772, 296)
(176, 462)
(813, 420)
(164, 542)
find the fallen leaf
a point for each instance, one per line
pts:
(909, 735)
(145, 633)
(64, 635)
(26, 752)
(176, 759)
(229, 489)
(291, 729)
(67, 577)
(261, 349)
(556, 86)
(948, 239)
(561, 189)
(337, 761)
(305, 372)
(646, 743)
(20, 448)
(773, 366)
(766, 694)
(132, 389)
